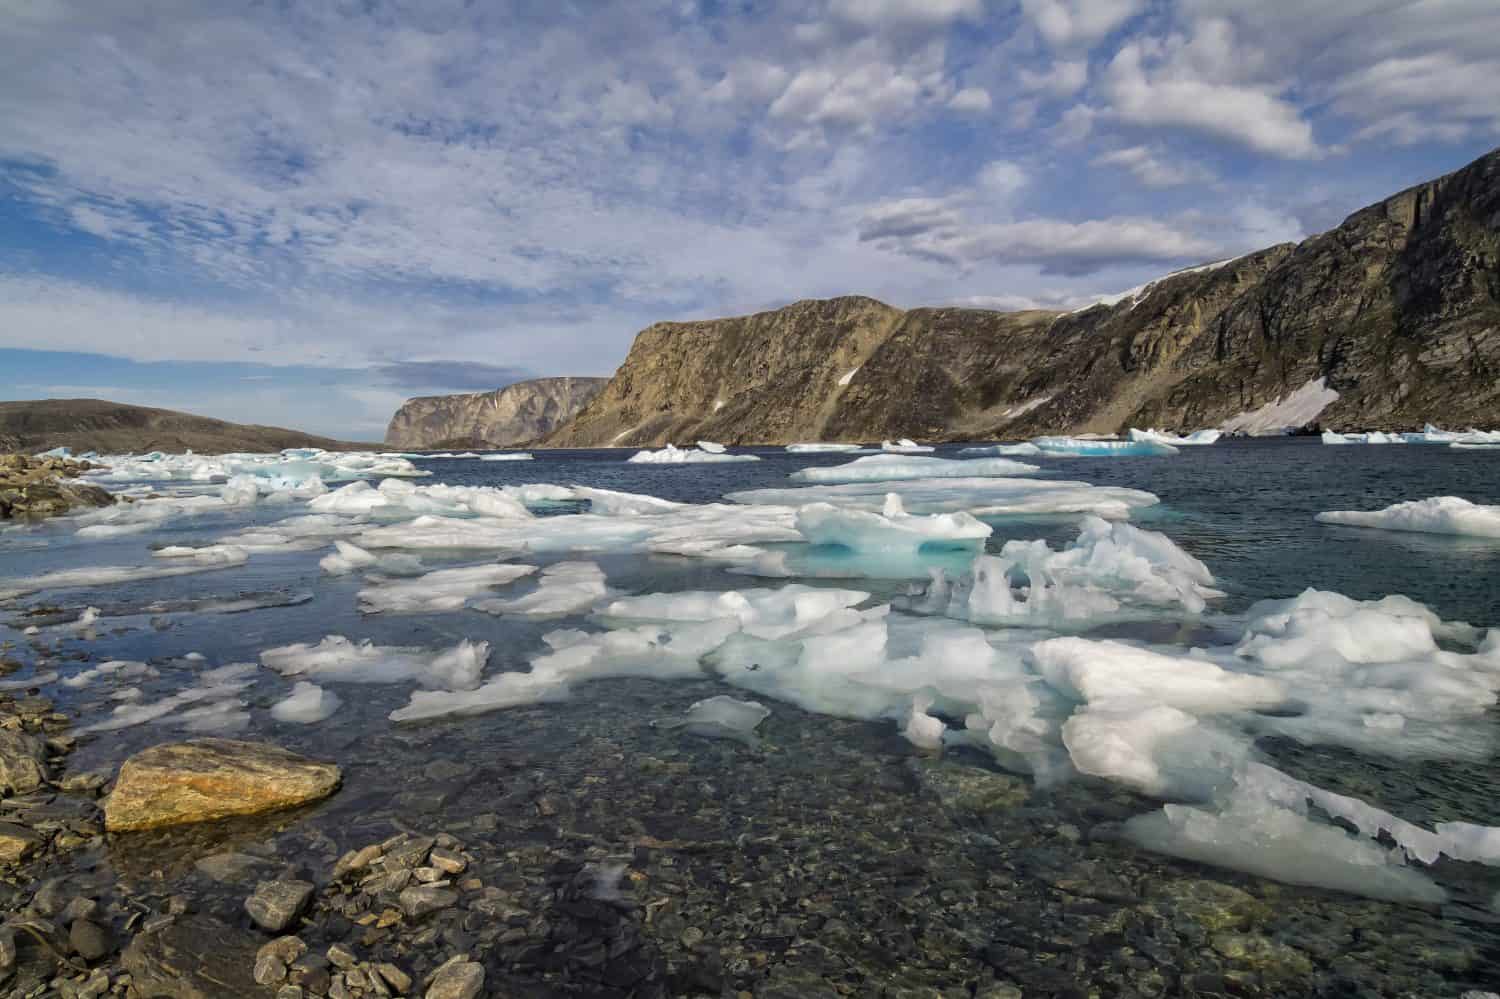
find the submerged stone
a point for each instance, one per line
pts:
(205, 779)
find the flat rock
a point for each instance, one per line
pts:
(205, 779)
(17, 843)
(193, 957)
(457, 980)
(22, 762)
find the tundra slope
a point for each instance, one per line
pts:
(1397, 309)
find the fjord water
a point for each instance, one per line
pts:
(830, 850)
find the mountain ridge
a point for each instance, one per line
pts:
(31, 425)
(1397, 309)
(513, 414)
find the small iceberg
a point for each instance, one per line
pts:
(1085, 447)
(1027, 450)
(820, 448)
(1434, 515)
(712, 447)
(507, 456)
(670, 455)
(1433, 435)
(905, 446)
(891, 530)
(1197, 438)
(1373, 437)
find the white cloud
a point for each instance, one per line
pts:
(1179, 83)
(1002, 178)
(970, 99)
(908, 13)
(1082, 23)
(1063, 78)
(1152, 169)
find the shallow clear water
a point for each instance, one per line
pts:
(825, 823)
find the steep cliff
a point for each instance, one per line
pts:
(1397, 310)
(520, 412)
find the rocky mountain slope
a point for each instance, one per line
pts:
(520, 412)
(1397, 310)
(114, 427)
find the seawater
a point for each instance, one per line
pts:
(815, 787)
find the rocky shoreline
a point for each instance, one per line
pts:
(44, 486)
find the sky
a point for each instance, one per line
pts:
(302, 214)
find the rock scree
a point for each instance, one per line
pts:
(205, 779)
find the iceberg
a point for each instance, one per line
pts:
(1087, 447)
(1373, 437)
(507, 456)
(1197, 438)
(712, 447)
(817, 448)
(982, 497)
(889, 467)
(670, 455)
(905, 446)
(1433, 435)
(1434, 515)
(1026, 450)
(564, 588)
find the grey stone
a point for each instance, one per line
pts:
(22, 762)
(394, 977)
(89, 940)
(275, 905)
(269, 969)
(193, 957)
(419, 900)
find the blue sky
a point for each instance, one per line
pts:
(303, 214)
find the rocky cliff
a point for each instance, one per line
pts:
(520, 412)
(1397, 310)
(114, 427)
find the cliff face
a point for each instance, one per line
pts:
(1397, 309)
(520, 412)
(114, 428)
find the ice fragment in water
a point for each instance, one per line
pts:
(891, 530)
(721, 717)
(437, 591)
(670, 455)
(337, 659)
(306, 704)
(1435, 515)
(564, 588)
(891, 467)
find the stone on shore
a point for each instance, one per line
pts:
(458, 979)
(17, 843)
(277, 904)
(193, 957)
(22, 762)
(38, 486)
(206, 779)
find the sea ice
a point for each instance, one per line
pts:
(114, 575)
(905, 446)
(564, 588)
(891, 467)
(338, 660)
(720, 717)
(820, 448)
(348, 558)
(1087, 447)
(789, 611)
(1026, 450)
(982, 497)
(214, 685)
(670, 455)
(1108, 568)
(891, 530)
(437, 591)
(507, 456)
(1433, 435)
(1373, 437)
(306, 704)
(1434, 515)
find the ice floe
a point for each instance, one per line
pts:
(439, 590)
(982, 497)
(507, 456)
(1433, 435)
(1110, 570)
(562, 588)
(294, 468)
(1088, 447)
(890, 468)
(720, 717)
(337, 659)
(205, 560)
(891, 530)
(670, 455)
(1434, 515)
(307, 704)
(1025, 450)
(223, 712)
(819, 448)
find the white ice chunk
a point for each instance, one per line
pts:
(905, 446)
(711, 447)
(1086, 447)
(564, 588)
(1026, 450)
(670, 455)
(889, 467)
(794, 609)
(815, 447)
(982, 497)
(1197, 438)
(203, 560)
(507, 456)
(437, 591)
(892, 530)
(1434, 515)
(1373, 437)
(213, 685)
(306, 704)
(721, 717)
(1107, 672)
(336, 659)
